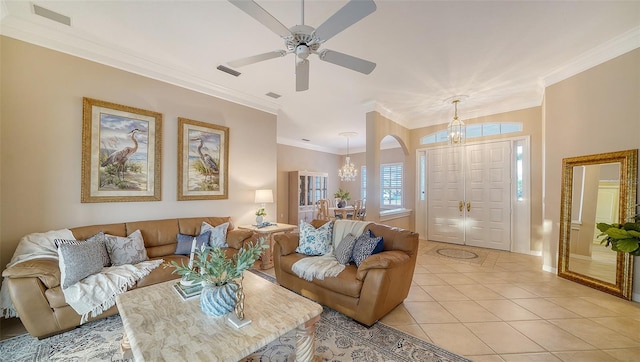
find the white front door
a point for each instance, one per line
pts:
(488, 190)
(470, 205)
(445, 193)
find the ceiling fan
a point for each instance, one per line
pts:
(303, 40)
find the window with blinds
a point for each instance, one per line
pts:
(391, 184)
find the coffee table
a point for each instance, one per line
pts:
(159, 325)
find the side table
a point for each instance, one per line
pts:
(266, 259)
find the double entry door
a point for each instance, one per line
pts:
(468, 195)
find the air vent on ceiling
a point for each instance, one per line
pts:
(273, 95)
(52, 15)
(234, 73)
(306, 140)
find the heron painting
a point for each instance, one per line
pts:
(120, 152)
(203, 149)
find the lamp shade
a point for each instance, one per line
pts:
(264, 196)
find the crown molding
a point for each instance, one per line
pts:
(65, 41)
(307, 146)
(617, 46)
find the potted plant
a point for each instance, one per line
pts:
(260, 214)
(622, 237)
(343, 196)
(219, 274)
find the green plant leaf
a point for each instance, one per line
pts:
(617, 234)
(627, 245)
(603, 226)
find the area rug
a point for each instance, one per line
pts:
(338, 338)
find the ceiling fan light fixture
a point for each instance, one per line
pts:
(303, 40)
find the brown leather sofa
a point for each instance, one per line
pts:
(364, 293)
(34, 285)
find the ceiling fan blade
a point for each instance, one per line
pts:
(257, 12)
(257, 58)
(347, 61)
(351, 13)
(302, 75)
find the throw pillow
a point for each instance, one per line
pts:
(365, 244)
(186, 241)
(345, 249)
(218, 236)
(380, 247)
(126, 250)
(78, 259)
(315, 241)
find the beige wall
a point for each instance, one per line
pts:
(295, 159)
(378, 127)
(592, 112)
(531, 119)
(41, 123)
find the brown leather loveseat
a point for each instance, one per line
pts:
(34, 285)
(364, 293)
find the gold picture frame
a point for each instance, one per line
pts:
(121, 153)
(203, 160)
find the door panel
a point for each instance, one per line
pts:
(483, 186)
(444, 190)
(488, 212)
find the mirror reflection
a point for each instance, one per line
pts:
(595, 198)
(596, 188)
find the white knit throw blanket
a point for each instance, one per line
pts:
(32, 246)
(327, 265)
(96, 293)
(89, 297)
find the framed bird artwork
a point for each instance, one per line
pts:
(121, 153)
(203, 160)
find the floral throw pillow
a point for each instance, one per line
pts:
(218, 236)
(126, 250)
(315, 241)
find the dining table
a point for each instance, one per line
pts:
(341, 212)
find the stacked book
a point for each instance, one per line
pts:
(187, 291)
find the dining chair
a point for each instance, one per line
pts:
(323, 210)
(363, 210)
(357, 207)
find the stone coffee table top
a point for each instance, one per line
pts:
(159, 325)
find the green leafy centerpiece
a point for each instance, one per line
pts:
(221, 277)
(343, 195)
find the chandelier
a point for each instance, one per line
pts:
(348, 172)
(456, 127)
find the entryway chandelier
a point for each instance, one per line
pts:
(348, 172)
(456, 129)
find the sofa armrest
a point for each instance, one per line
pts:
(287, 242)
(383, 260)
(236, 238)
(45, 269)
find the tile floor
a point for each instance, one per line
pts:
(506, 309)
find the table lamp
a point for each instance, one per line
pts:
(262, 197)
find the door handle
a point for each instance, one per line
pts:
(460, 206)
(468, 206)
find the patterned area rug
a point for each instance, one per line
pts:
(338, 338)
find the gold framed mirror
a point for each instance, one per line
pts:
(596, 188)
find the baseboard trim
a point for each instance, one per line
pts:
(550, 269)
